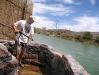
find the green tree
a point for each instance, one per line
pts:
(87, 36)
(97, 40)
(78, 37)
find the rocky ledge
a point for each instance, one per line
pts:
(8, 63)
(48, 59)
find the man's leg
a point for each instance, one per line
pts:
(21, 54)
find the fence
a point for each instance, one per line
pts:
(10, 12)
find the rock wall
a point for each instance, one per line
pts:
(8, 63)
(50, 61)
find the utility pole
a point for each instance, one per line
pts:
(56, 23)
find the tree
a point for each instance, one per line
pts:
(87, 36)
(97, 40)
(78, 37)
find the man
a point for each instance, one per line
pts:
(26, 27)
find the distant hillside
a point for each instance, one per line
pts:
(95, 34)
(86, 37)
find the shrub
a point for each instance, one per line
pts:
(78, 37)
(97, 40)
(87, 36)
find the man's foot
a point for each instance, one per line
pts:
(21, 65)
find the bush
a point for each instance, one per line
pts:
(47, 33)
(87, 36)
(97, 40)
(63, 35)
(78, 37)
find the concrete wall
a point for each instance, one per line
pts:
(10, 12)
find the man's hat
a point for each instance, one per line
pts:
(32, 18)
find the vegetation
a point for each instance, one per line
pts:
(78, 37)
(97, 40)
(85, 37)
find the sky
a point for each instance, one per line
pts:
(74, 15)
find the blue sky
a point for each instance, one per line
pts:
(76, 15)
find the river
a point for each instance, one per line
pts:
(87, 55)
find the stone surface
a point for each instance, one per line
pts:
(50, 61)
(54, 62)
(8, 63)
(75, 66)
(3, 47)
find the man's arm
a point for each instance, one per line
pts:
(15, 28)
(32, 32)
(32, 36)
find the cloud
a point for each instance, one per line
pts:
(36, 1)
(92, 2)
(68, 2)
(53, 9)
(43, 22)
(84, 23)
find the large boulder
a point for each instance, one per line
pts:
(8, 63)
(52, 62)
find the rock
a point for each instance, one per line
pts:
(54, 62)
(75, 66)
(8, 63)
(3, 41)
(50, 61)
(3, 47)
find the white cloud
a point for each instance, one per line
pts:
(54, 9)
(68, 2)
(92, 2)
(34, 1)
(43, 22)
(84, 23)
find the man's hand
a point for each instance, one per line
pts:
(32, 39)
(15, 28)
(16, 31)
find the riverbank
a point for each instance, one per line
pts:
(85, 37)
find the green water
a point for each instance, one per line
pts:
(87, 55)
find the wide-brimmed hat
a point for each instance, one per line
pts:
(32, 17)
